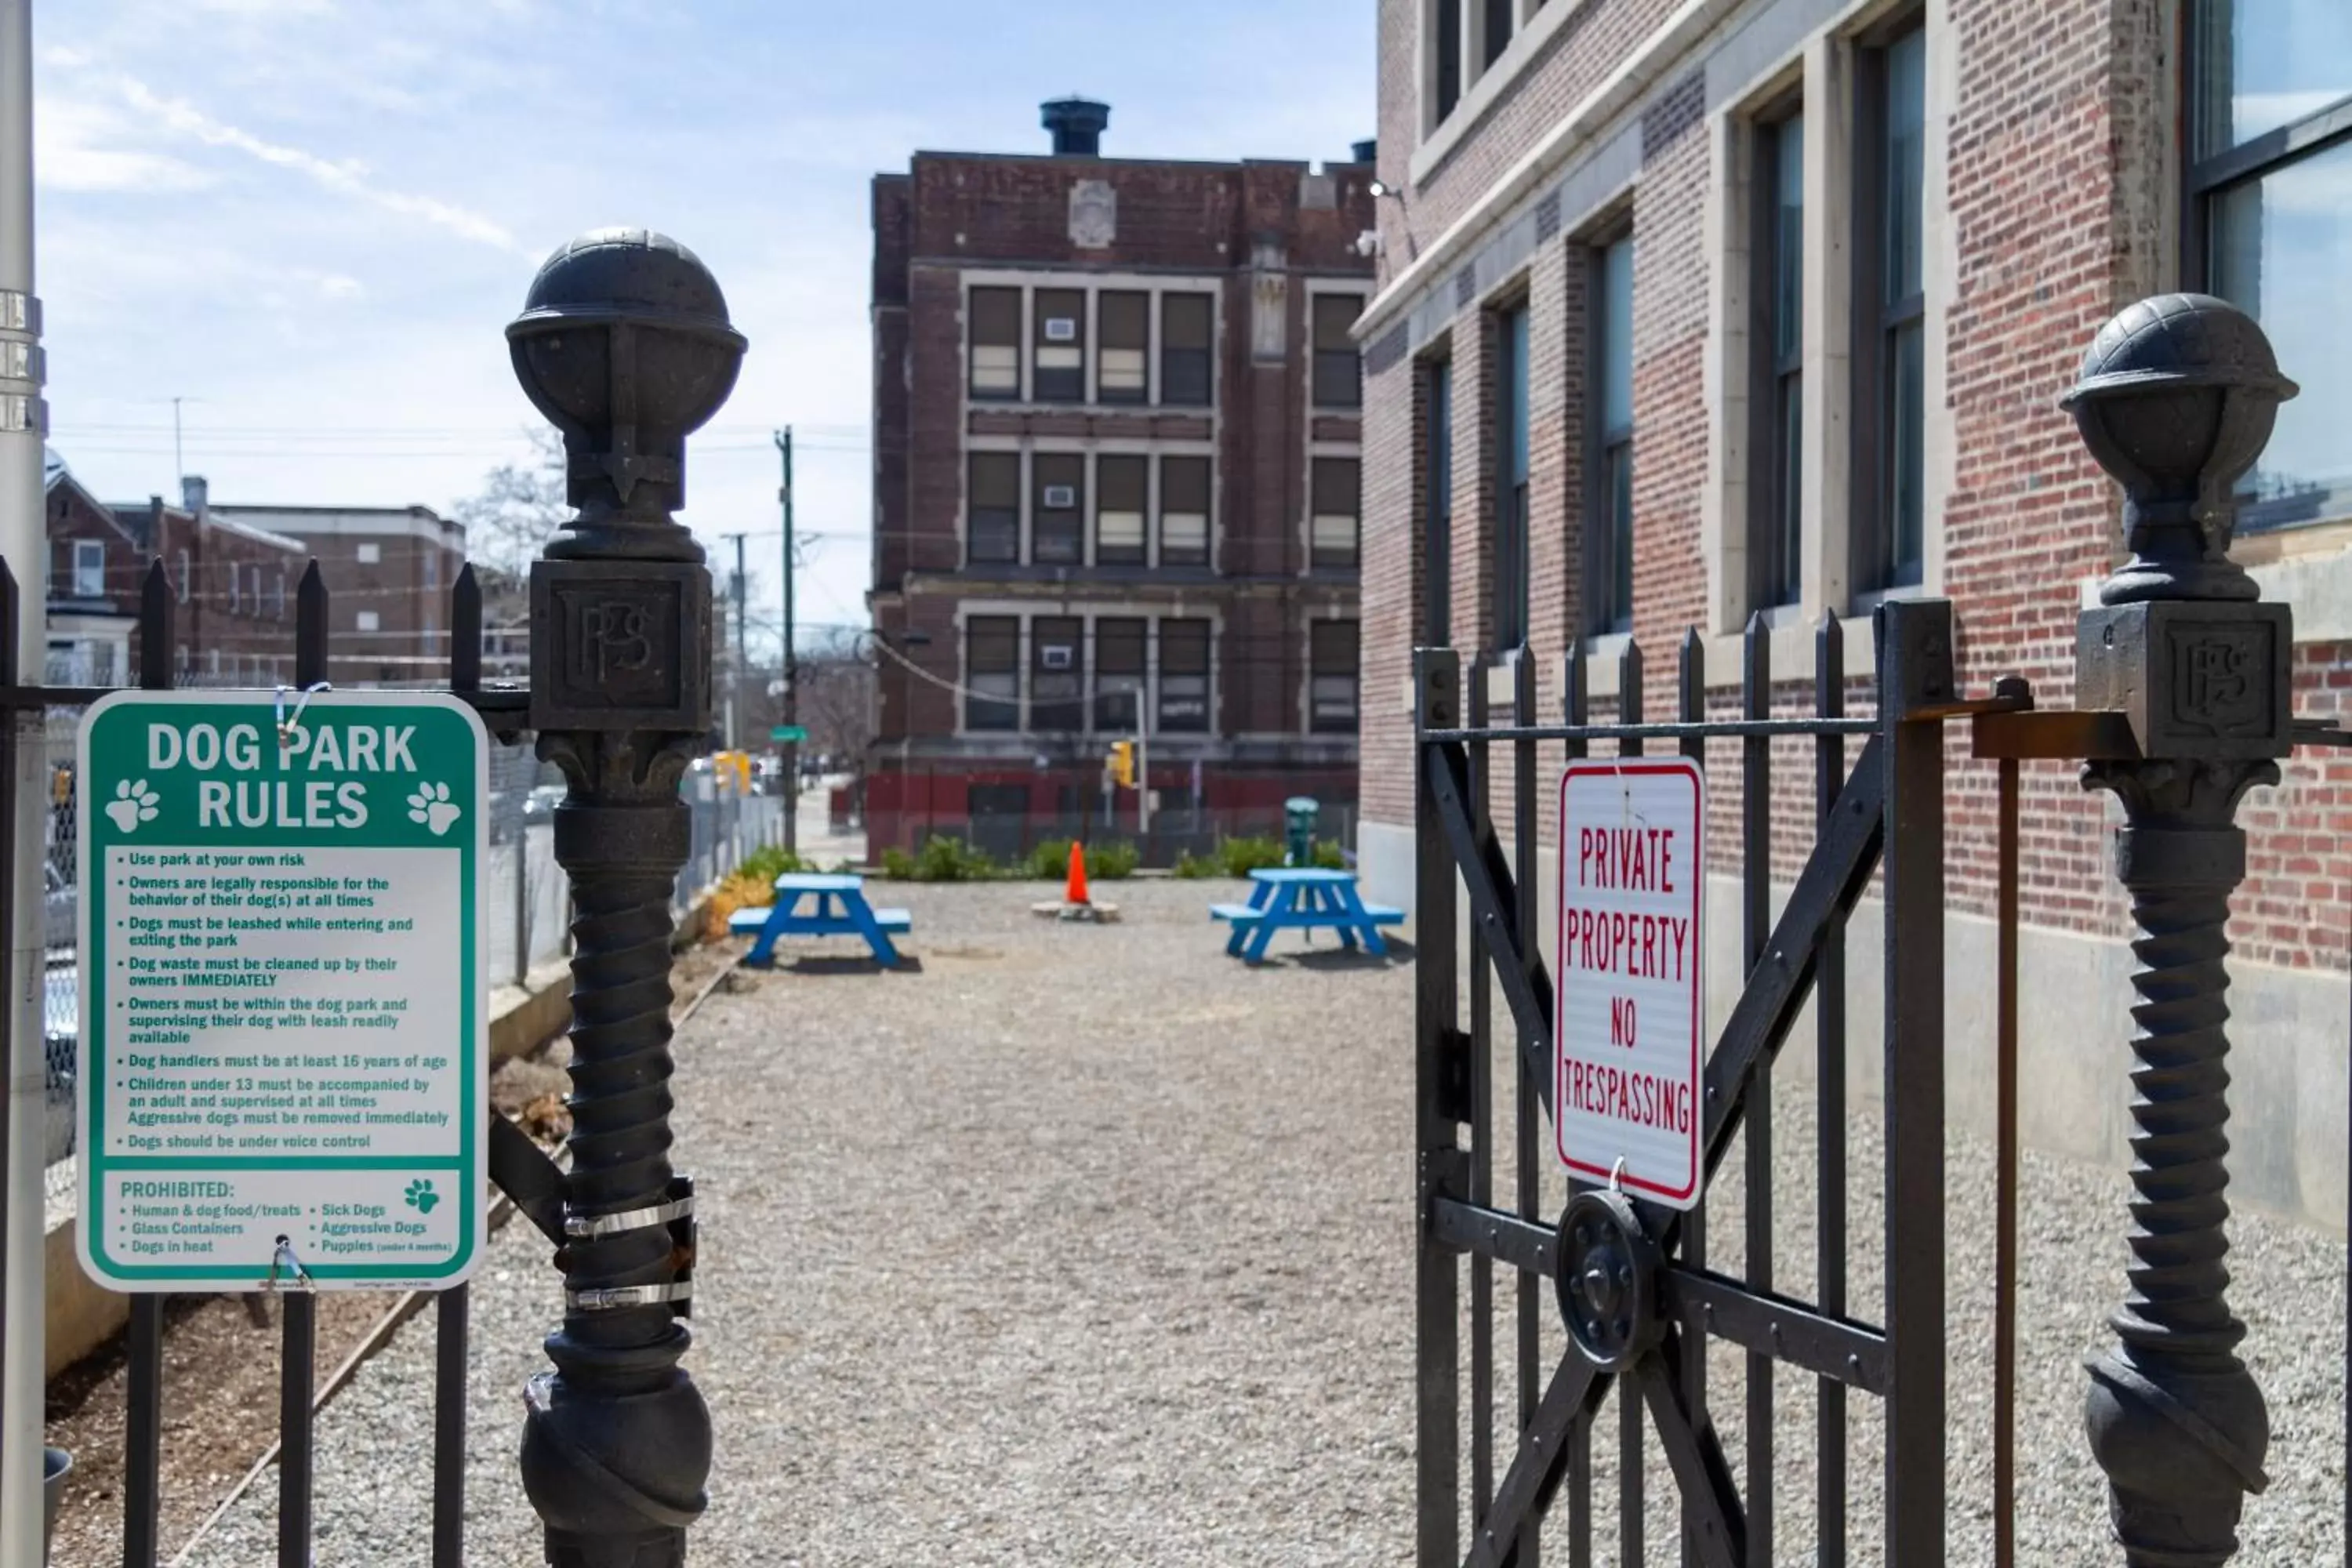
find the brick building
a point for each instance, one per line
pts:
(92, 592)
(1690, 312)
(1116, 484)
(388, 571)
(232, 585)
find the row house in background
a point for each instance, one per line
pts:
(1693, 314)
(1115, 487)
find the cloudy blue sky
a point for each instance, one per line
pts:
(310, 219)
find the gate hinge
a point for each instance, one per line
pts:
(1454, 1075)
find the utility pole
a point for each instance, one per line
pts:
(742, 653)
(792, 670)
(24, 421)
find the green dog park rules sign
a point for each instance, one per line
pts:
(283, 1024)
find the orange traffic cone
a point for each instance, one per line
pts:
(1076, 892)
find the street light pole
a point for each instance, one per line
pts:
(791, 672)
(24, 421)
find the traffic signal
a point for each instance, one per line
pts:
(1122, 763)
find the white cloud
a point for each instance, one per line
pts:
(347, 177)
(80, 147)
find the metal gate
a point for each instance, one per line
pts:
(624, 346)
(2184, 680)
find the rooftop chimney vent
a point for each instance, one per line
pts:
(1077, 125)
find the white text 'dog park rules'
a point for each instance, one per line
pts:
(1626, 1061)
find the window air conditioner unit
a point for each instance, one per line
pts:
(1061, 330)
(1061, 498)
(1054, 656)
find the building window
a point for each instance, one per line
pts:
(1119, 509)
(1118, 674)
(1183, 511)
(1059, 534)
(1058, 673)
(1445, 16)
(211, 661)
(183, 576)
(995, 370)
(278, 595)
(1126, 318)
(1889, 348)
(992, 529)
(1437, 489)
(1339, 369)
(1511, 478)
(1184, 675)
(992, 662)
(1060, 346)
(2270, 226)
(236, 576)
(1184, 363)
(370, 555)
(1338, 485)
(89, 569)
(369, 621)
(1331, 654)
(1777, 344)
(1609, 495)
(256, 586)
(180, 658)
(1496, 33)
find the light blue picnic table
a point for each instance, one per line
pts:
(837, 908)
(1302, 899)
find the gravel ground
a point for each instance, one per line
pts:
(1086, 1245)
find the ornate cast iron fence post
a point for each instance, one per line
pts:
(2176, 399)
(623, 343)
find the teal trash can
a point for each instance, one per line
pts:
(56, 1464)
(1299, 814)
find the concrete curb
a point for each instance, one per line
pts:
(82, 1315)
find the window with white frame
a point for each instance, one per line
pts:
(278, 594)
(1119, 485)
(1123, 375)
(1183, 675)
(1337, 484)
(1060, 345)
(235, 577)
(89, 569)
(1339, 369)
(995, 369)
(1608, 440)
(1183, 511)
(1461, 41)
(1058, 674)
(993, 523)
(1889, 418)
(1187, 378)
(184, 577)
(2269, 225)
(1120, 673)
(1057, 532)
(370, 555)
(368, 621)
(1777, 362)
(992, 672)
(1332, 691)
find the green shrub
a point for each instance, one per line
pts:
(771, 861)
(1049, 861)
(947, 859)
(1329, 856)
(1197, 867)
(1112, 862)
(1242, 855)
(898, 865)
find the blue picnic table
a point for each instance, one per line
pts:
(1289, 898)
(837, 908)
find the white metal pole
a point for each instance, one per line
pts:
(23, 422)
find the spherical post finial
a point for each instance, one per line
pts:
(623, 343)
(2177, 399)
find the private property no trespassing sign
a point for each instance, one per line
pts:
(1626, 1064)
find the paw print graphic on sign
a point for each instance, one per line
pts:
(432, 806)
(420, 1195)
(134, 804)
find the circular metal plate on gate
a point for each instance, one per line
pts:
(1607, 1279)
